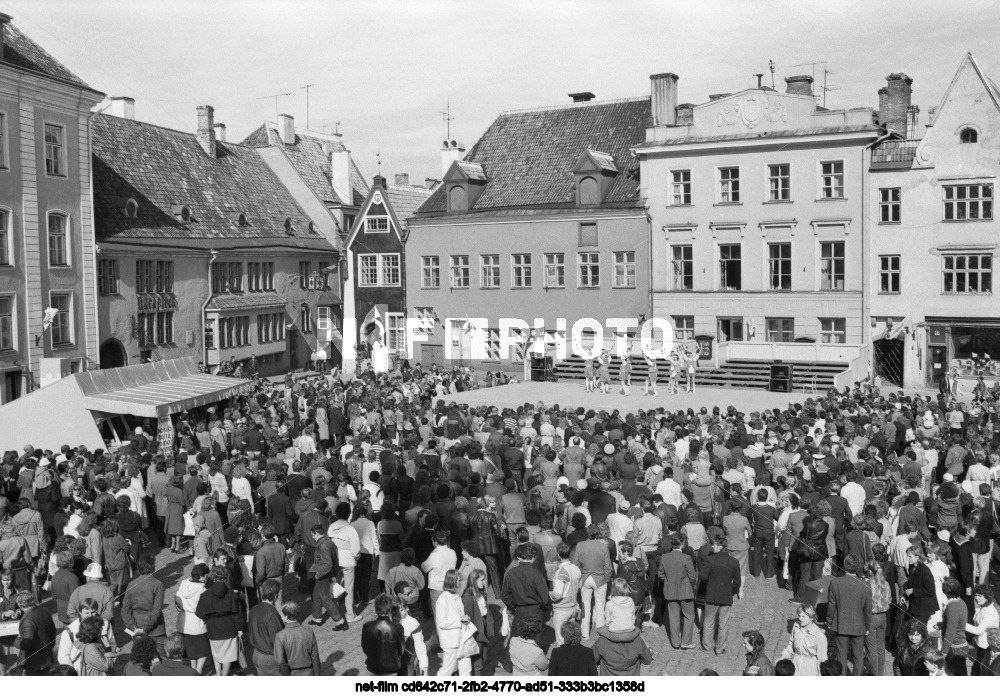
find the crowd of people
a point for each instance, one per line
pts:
(470, 539)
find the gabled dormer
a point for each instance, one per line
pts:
(463, 184)
(593, 174)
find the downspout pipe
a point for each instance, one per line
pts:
(204, 309)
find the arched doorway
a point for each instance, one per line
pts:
(113, 354)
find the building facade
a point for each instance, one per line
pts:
(202, 251)
(46, 223)
(934, 245)
(543, 221)
(758, 217)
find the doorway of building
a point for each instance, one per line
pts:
(730, 329)
(11, 385)
(889, 360)
(113, 354)
(293, 350)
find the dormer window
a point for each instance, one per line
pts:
(968, 135)
(464, 182)
(288, 226)
(593, 173)
(181, 212)
(590, 191)
(131, 208)
(241, 220)
(458, 200)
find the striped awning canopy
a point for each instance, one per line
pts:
(156, 389)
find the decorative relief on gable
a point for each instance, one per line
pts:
(924, 156)
(377, 198)
(751, 110)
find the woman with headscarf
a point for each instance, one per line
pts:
(174, 520)
(197, 648)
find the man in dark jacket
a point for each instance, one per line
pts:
(721, 574)
(809, 551)
(36, 635)
(142, 604)
(263, 625)
(325, 571)
(382, 640)
(313, 518)
(841, 516)
(849, 614)
(679, 581)
(525, 590)
(281, 512)
(485, 528)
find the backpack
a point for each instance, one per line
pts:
(632, 573)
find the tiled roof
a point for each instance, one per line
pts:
(310, 157)
(250, 300)
(162, 168)
(528, 156)
(606, 161)
(22, 52)
(405, 200)
(894, 154)
(472, 170)
(764, 135)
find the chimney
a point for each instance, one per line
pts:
(340, 175)
(450, 152)
(578, 97)
(206, 129)
(883, 104)
(402, 180)
(799, 84)
(122, 107)
(685, 114)
(911, 122)
(663, 93)
(220, 132)
(4, 19)
(286, 129)
(900, 90)
(720, 95)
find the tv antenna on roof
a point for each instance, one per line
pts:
(826, 71)
(306, 88)
(447, 118)
(275, 98)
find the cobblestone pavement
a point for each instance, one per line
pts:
(764, 608)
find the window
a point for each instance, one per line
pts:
(520, 266)
(588, 234)
(779, 258)
(226, 277)
(305, 319)
(780, 330)
(680, 187)
(270, 327)
(683, 260)
(779, 182)
(430, 272)
(589, 192)
(234, 332)
(555, 270)
(5, 238)
(210, 335)
(968, 135)
(305, 270)
(164, 328)
(730, 267)
(459, 271)
(236, 277)
(58, 240)
(624, 269)
(968, 202)
(683, 328)
(888, 205)
(107, 276)
(832, 179)
(165, 276)
(833, 331)
(968, 273)
(395, 331)
(62, 322)
(888, 274)
(377, 224)
(3, 141)
(260, 276)
(589, 266)
(147, 328)
(489, 271)
(831, 265)
(368, 270)
(729, 185)
(55, 165)
(388, 269)
(7, 323)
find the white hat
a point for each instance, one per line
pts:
(949, 477)
(944, 535)
(94, 570)
(582, 484)
(562, 481)
(138, 430)
(609, 448)
(623, 504)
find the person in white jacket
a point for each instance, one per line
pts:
(450, 619)
(348, 543)
(68, 653)
(411, 629)
(196, 644)
(441, 560)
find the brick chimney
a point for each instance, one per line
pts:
(685, 114)
(900, 89)
(340, 175)
(663, 98)
(578, 97)
(4, 20)
(220, 132)
(122, 107)
(883, 104)
(286, 129)
(402, 180)
(799, 84)
(206, 129)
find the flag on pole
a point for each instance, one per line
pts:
(49, 317)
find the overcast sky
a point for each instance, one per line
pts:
(386, 69)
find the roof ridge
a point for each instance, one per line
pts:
(577, 105)
(172, 130)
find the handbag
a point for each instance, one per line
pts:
(468, 645)
(189, 523)
(337, 590)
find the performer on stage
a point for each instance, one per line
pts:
(625, 374)
(690, 362)
(674, 361)
(651, 376)
(605, 371)
(589, 383)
